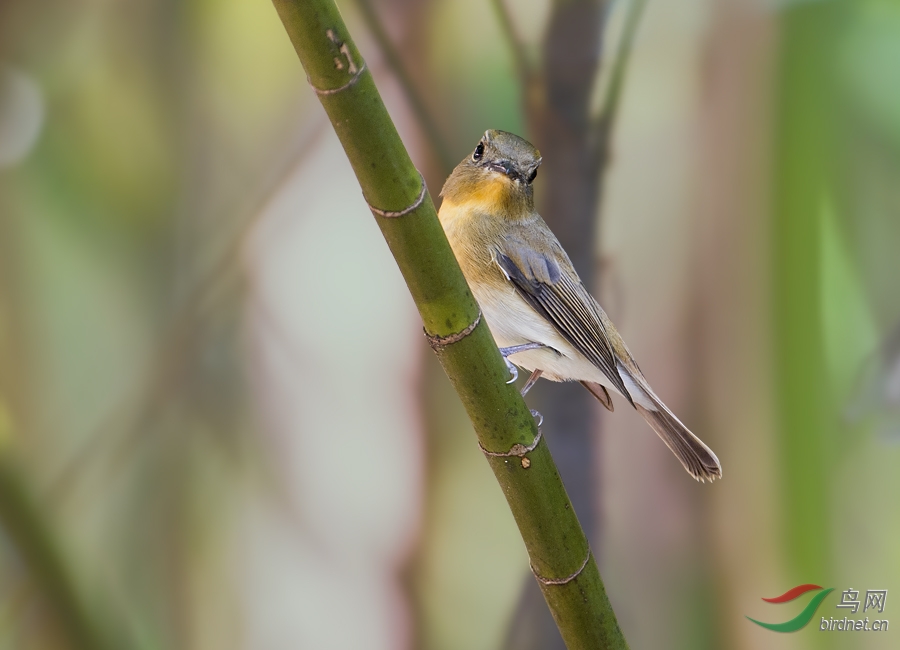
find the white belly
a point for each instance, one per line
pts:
(513, 321)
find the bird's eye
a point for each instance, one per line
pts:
(532, 176)
(479, 151)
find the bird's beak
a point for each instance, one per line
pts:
(504, 168)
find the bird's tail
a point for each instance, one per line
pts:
(698, 459)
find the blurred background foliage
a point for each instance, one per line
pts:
(220, 426)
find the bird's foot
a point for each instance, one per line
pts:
(537, 416)
(512, 370)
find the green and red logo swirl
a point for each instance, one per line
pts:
(804, 617)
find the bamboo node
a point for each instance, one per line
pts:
(415, 204)
(331, 91)
(438, 342)
(561, 581)
(519, 450)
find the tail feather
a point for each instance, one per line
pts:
(697, 458)
(599, 391)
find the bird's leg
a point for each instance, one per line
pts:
(515, 372)
(521, 348)
(512, 350)
(531, 381)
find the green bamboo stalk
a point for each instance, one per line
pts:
(805, 158)
(558, 549)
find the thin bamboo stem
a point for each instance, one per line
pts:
(559, 551)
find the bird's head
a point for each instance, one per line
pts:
(497, 174)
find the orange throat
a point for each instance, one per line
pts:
(494, 196)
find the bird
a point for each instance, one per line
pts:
(538, 310)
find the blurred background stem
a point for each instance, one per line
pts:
(26, 525)
(804, 189)
(424, 116)
(574, 142)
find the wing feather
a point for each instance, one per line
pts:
(562, 299)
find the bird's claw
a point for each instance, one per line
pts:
(512, 370)
(537, 416)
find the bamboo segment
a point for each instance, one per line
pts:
(559, 551)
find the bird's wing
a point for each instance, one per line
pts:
(560, 297)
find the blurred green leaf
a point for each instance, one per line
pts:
(869, 65)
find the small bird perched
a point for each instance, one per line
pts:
(533, 301)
